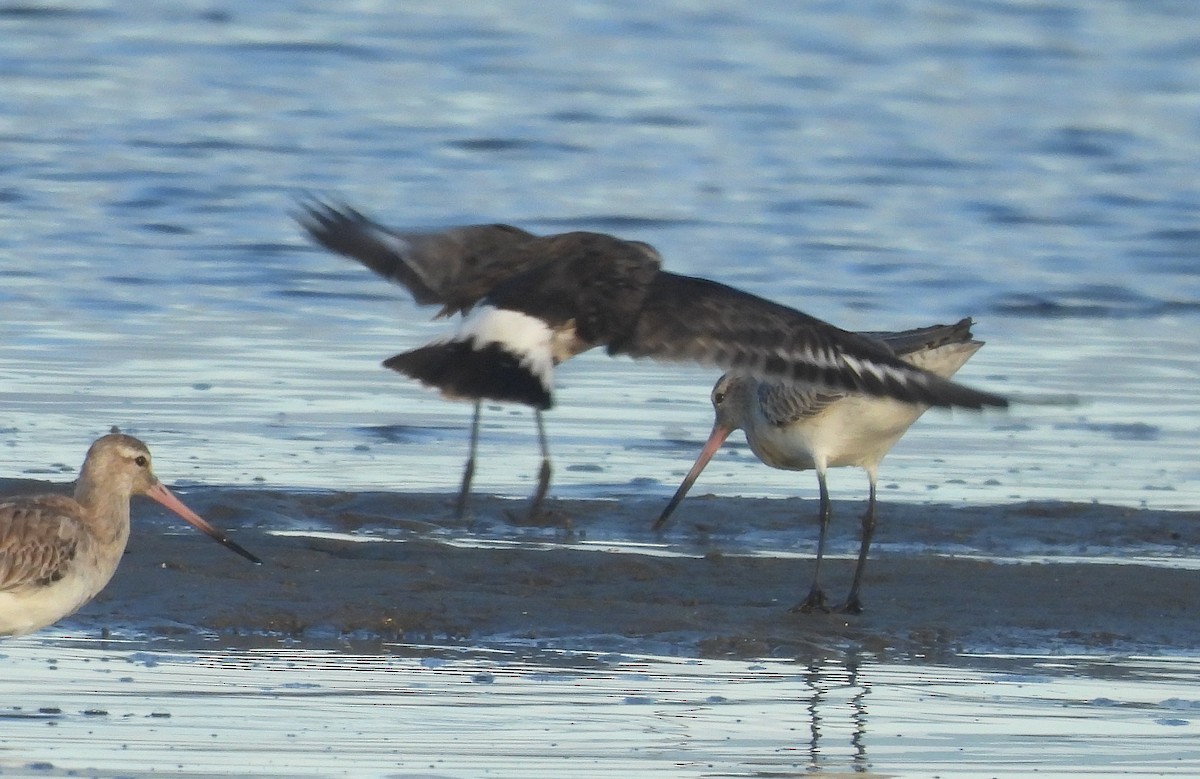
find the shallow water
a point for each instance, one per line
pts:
(881, 166)
(886, 167)
(99, 708)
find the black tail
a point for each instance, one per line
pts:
(460, 370)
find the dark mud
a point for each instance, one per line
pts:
(369, 567)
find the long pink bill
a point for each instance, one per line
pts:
(715, 439)
(161, 494)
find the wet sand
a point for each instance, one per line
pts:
(382, 637)
(719, 583)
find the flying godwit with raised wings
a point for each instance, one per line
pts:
(797, 426)
(57, 552)
(530, 302)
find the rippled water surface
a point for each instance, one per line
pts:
(1029, 164)
(414, 711)
(883, 166)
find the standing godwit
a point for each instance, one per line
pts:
(797, 426)
(57, 552)
(530, 302)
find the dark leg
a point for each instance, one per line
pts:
(816, 596)
(853, 605)
(464, 493)
(535, 506)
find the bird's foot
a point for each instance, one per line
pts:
(540, 516)
(814, 602)
(851, 606)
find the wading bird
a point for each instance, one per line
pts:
(798, 426)
(57, 553)
(529, 302)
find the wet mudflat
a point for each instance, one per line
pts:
(382, 638)
(720, 581)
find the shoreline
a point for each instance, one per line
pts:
(942, 580)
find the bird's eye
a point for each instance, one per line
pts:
(718, 398)
(141, 460)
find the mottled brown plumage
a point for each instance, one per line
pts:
(57, 552)
(41, 540)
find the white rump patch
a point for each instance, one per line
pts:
(527, 338)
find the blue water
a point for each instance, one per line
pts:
(882, 166)
(412, 712)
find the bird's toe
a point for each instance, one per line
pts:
(814, 602)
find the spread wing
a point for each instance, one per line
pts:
(454, 268)
(597, 281)
(784, 402)
(691, 319)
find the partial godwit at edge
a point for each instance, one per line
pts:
(57, 553)
(797, 426)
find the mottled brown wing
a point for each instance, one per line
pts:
(454, 268)
(40, 539)
(690, 319)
